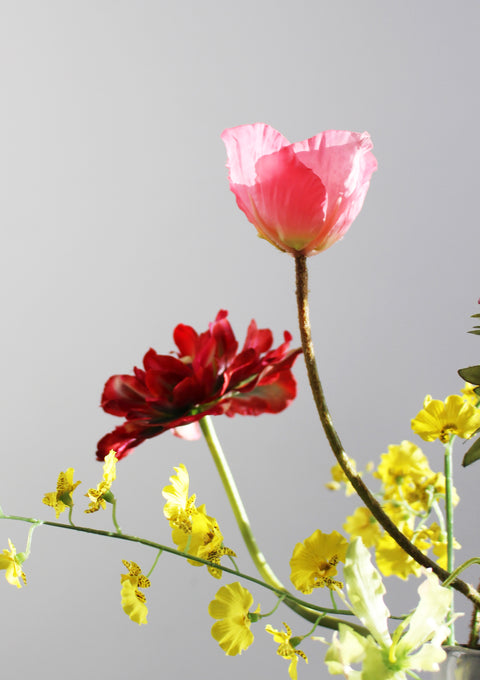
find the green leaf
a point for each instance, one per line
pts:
(475, 316)
(472, 454)
(470, 374)
(474, 332)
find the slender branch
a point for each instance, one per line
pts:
(336, 445)
(305, 610)
(292, 601)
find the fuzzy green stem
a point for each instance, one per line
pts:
(294, 602)
(337, 447)
(243, 522)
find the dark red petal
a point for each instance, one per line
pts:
(246, 366)
(264, 398)
(161, 381)
(205, 356)
(185, 338)
(120, 441)
(171, 392)
(226, 344)
(150, 360)
(258, 339)
(122, 393)
(188, 394)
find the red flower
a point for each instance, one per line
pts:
(301, 197)
(207, 377)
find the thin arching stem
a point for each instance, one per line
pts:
(308, 611)
(337, 447)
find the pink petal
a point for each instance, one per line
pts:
(345, 164)
(288, 201)
(245, 145)
(190, 432)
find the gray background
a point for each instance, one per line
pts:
(117, 223)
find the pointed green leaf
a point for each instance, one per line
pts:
(470, 374)
(472, 454)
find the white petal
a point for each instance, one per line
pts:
(365, 591)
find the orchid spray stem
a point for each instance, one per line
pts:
(243, 522)
(449, 517)
(280, 592)
(337, 447)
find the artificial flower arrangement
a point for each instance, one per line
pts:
(301, 198)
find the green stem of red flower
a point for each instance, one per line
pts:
(362, 490)
(243, 522)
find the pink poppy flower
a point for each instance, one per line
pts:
(301, 197)
(208, 376)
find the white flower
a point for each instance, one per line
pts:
(414, 646)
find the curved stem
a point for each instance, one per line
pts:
(29, 539)
(458, 570)
(154, 562)
(336, 445)
(243, 522)
(294, 602)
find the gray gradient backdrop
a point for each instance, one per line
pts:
(117, 223)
